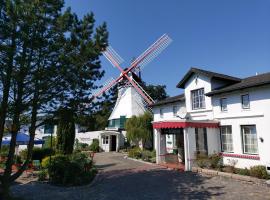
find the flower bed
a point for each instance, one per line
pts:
(145, 155)
(213, 165)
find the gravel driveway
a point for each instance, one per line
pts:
(123, 179)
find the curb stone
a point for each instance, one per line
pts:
(246, 179)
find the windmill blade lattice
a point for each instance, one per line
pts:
(106, 86)
(113, 57)
(151, 53)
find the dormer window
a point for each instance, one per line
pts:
(174, 111)
(161, 112)
(223, 104)
(245, 101)
(198, 99)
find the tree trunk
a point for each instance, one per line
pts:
(66, 131)
(6, 89)
(5, 179)
(32, 131)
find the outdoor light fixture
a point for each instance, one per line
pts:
(261, 139)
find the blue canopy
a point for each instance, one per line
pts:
(21, 139)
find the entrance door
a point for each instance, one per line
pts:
(113, 142)
(201, 141)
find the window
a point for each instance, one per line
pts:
(201, 141)
(105, 140)
(161, 112)
(198, 99)
(249, 137)
(174, 111)
(245, 101)
(226, 138)
(223, 104)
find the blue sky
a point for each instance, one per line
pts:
(226, 36)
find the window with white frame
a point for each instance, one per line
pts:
(226, 138)
(174, 111)
(161, 112)
(223, 104)
(198, 99)
(105, 140)
(249, 137)
(245, 101)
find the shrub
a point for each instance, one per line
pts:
(45, 162)
(146, 155)
(42, 175)
(38, 153)
(215, 161)
(259, 171)
(4, 151)
(202, 161)
(135, 153)
(242, 171)
(95, 145)
(75, 169)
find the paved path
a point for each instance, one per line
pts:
(122, 179)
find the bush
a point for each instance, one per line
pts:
(215, 161)
(45, 162)
(42, 175)
(242, 171)
(146, 155)
(4, 151)
(95, 145)
(135, 153)
(202, 161)
(259, 171)
(38, 153)
(75, 169)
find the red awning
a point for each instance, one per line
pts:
(159, 125)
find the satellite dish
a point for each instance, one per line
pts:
(182, 115)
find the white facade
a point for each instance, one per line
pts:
(129, 103)
(256, 116)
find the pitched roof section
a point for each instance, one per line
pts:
(210, 74)
(168, 100)
(252, 81)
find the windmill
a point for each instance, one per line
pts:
(135, 67)
(132, 98)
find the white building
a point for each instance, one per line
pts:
(216, 113)
(129, 103)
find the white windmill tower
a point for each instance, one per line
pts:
(132, 98)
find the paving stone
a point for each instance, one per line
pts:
(123, 179)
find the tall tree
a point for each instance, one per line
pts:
(157, 92)
(34, 66)
(80, 69)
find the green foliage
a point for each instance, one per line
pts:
(42, 175)
(45, 162)
(37, 153)
(135, 153)
(244, 171)
(156, 92)
(215, 161)
(4, 150)
(47, 143)
(75, 169)
(65, 131)
(212, 161)
(139, 128)
(146, 155)
(95, 145)
(259, 171)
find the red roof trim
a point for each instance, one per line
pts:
(252, 157)
(159, 125)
